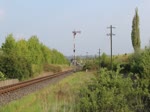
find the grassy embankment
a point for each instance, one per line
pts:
(60, 97)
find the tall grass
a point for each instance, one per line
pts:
(60, 97)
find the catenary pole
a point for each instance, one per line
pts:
(111, 34)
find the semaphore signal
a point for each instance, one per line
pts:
(74, 47)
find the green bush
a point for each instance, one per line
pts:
(111, 92)
(140, 63)
(2, 76)
(145, 63)
(90, 66)
(106, 93)
(135, 63)
(36, 69)
(140, 66)
(15, 67)
(105, 61)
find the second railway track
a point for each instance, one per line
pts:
(15, 91)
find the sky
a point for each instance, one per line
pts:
(53, 21)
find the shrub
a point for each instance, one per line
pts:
(90, 66)
(106, 93)
(135, 63)
(36, 69)
(15, 67)
(111, 92)
(140, 63)
(52, 68)
(2, 76)
(145, 63)
(105, 61)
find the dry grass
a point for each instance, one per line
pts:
(60, 97)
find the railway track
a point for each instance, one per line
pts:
(16, 91)
(13, 87)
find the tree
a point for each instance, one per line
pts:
(9, 46)
(58, 58)
(23, 59)
(47, 54)
(34, 47)
(135, 34)
(22, 49)
(14, 66)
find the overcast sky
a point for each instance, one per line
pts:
(54, 20)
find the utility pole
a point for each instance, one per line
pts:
(86, 55)
(99, 58)
(74, 49)
(111, 34)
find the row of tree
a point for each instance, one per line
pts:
(24, 58)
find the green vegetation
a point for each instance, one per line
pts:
(61, 97)
(24, 59)
(140, 63)
(136, 32)
(107, 92)
(52, 68)
(125, 88)
(2, 76)
(117, 90)
(90, 65)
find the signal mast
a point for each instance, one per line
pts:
(74, 47)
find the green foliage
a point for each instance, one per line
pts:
(90, 65)
(22, 49)
(35, 50)
(52, 68)
(141, 95)
(106, 93)
(47, 54)
(2, 76)
(109, 91)
(135, 35)
(22, 59)
(123, 61)
(145, 63)
(105, 61)
(9, 46)
(135, 62)
(140, 63)
(15, 67)
(36, 69)
(1, 52)
(58, 58)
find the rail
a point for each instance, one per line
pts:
(9, 88)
